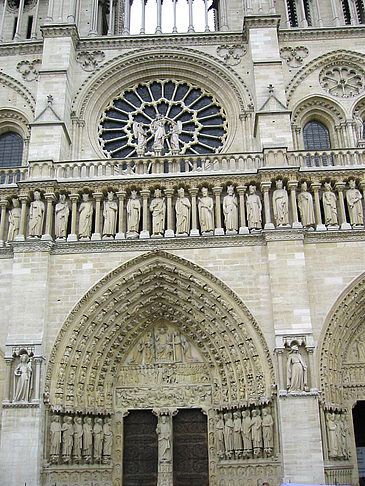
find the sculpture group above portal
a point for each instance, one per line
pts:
(162, 129)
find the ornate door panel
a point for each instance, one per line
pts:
(190, 449)
(140, 449)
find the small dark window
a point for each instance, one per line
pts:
(307, 12)
(11, 149)
(29, 26)
(292, 12)
(14, 26)
(360, 10)
(346, 12)
(316, 136)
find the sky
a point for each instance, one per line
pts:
(167, 16)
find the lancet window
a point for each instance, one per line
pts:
(316, 136)
(353, 11)
(11, 149)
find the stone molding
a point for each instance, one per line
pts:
(15, 85)
(325, 33)
(21, 48)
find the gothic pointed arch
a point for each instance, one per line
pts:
(342, 347)
(104, 327)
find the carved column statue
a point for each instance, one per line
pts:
(267, 432)
(67, 439)
(110, 212)
(87, 440)
(77, 446)
(62, 211)
(107, 441)
(55, 439)
(158, 212)
(36, 216)
(246, 434)
(23, 378)
(98, 439)
(230, 211)
(206, 212)
(14, 220)
(329, 201)
(306, 208)
(164, 437)
(297, 374)
(86, 211)
(182, 208)
(256, 432)
(280, 204)
(354, 204)
(254, 209)
(133, 215)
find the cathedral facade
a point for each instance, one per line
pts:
(182, 242)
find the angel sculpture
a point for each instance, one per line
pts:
(141, 136)
(175, 130)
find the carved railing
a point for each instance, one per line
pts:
(327, 158)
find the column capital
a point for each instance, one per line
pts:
(121, 194)
(292, 184)
(50, 196)
(24, 198)
(98, 196)
(169, 192)
(145, 193)
(316, 186)
(74, 197)
(241, 189)
(340, 186)
(265, 186)
(217, 190)
(193, 191)
(3, 203)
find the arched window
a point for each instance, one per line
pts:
(316, 136)
(11, 149)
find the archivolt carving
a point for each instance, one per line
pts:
(108, 321)
(10, 82)
(341, 352)
(14, 120)
(319, 107)
(327, 59)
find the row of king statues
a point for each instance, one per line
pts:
(184, 206)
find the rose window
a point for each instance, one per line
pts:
(162, 118)
(342, 81)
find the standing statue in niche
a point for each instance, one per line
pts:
(62, 211)
(228, 433)
(110, 212)
(23, 379)
(359, 126)
(256, 432)
(14, 220)
(280, 202)
(133, 215)
(182, 208)
(206, 214)
(67, 439)
(305, 205)
(246, 433)
(55, 439)
(159, 134)
(98, 439)
(78, 433)
(354, 203)
(254, 208)
(86, 211)
(175, 130)
(158, 211)
(164, 442)
(237, 439)
(329, 205)
(267, 432)
(141, 137)
(230, 210)
(333, 445)
(220, 433)
(36, 216)
(88, 440)
(107, 441)
(296, 371)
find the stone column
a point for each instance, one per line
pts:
(145, 193)
(340, 186)
(193, 191)
(336, 19)
(279, 354)
(165, 441)
(265, 188)
(317, 207)
(302, 18)
(143, 17)
(243, 223)
(17, 35)
(191, 20)
(50, 198)
(7, 384)
(121, 198)
(35, 22)
(37, 379)
(218, 231)
(3, 205)
(23, 218)
(159, 17)
(3, 21)
(292, 185)
(174, 29)
(98, 196)
(94, 18)
(127, 17)
(73, 235)
(169, 233)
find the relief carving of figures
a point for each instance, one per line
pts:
(305, 205)
(267, 432)
(98, 439)
(256, 432)
(163, 432)
(280, 202)
(23, 379)
(182, 208)
(158, 211)
(220, 434)
(14, 220)
(141, 136)
(228, 433)
(175, 130)
(88, 439)
(62, 211)
(133, 215)
(246, 433)
(296, 371)
(78, 433)
(344, 433)
(177, 347)
(206, 214)
(329, 205)
(159, 133)
(107, 441)
(354, 203)
(359, 126)
(237, 439)
(55, 439)
(36, 216)
(67, 439)
(144, 350)
(110, 212)
(359, 349)
(230, 210)
(186, 346)
(164, 345)
(254, 208)
(86, 211)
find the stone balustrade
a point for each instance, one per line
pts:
(197, 206)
